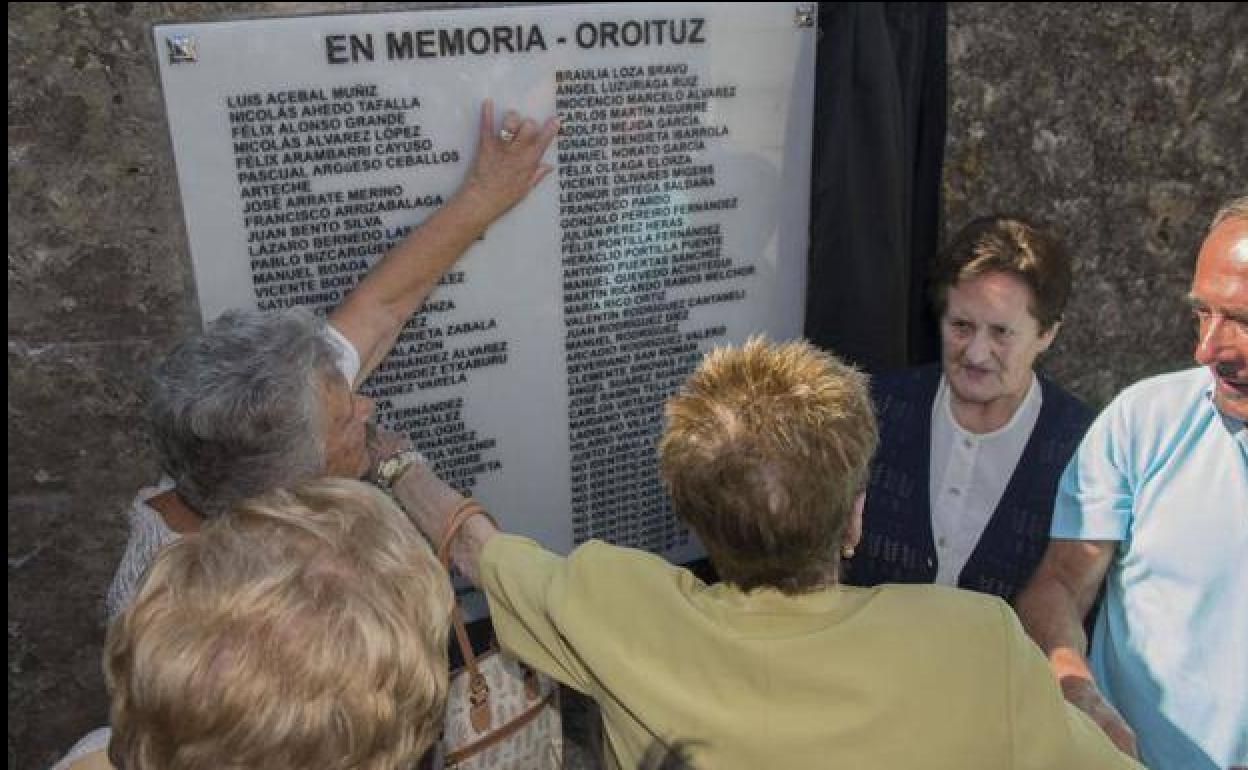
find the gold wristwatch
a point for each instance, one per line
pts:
(390, 469)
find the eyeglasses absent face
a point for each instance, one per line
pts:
(1219, 300)
(990, 340)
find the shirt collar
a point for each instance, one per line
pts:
(1235, 426)
(1026, 411)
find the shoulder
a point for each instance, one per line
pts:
(603, 561)
(913, 380)
(1063, 413)
(592, 564)
(905, 394)
(89, 753)
(148, 534)
(1063, 400)
(1161, 402)
(1145, 424)
(146, 523)
(627, 584)
(1185, 385)
(943, 610)
(945, 623)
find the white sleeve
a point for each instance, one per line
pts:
(96, 740)
(348, 356)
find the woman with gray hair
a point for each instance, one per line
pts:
(260, 401)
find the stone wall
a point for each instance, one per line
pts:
(1121, 123)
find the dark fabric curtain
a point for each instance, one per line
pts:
(879, 139)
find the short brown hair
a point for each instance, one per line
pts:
(765, 450)
(1011, 245)
(306, 629)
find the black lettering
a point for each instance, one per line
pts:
(502, 39)
(631, 29)
(399, 46)
(695, 36)
(335, 49)
(451, 42)
(362, 48)
(426, 44)
(586, 35)
(608, 31)
(478, 40)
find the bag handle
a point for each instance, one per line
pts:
(478, 688)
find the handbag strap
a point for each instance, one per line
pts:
(466, 510)
(479, 691)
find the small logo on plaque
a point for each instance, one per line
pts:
(181, 49)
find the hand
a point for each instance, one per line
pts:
(503, 171)
(1084, 695)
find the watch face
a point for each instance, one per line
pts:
(388, 469)
(393, 466)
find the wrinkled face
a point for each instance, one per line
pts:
(346, 417)
(990, 339)
(1219, 299)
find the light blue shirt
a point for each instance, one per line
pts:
(1165, 474)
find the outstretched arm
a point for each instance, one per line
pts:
(430, 503)
(502, 174)
(1052, 608)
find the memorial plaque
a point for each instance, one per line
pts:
(534, 376)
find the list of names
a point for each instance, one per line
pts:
(642, 250)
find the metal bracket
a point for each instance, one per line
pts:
(181, 49)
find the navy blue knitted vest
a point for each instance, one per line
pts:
(897, 544)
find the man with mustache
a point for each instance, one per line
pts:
(1154, 505)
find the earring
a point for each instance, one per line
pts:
(847, 551)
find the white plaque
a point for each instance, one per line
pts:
(534, 377)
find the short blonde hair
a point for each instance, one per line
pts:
(306, 629)
(765, 450)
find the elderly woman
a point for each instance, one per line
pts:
(765, 453)
(307, 629)
(962, 489)
(260, 401)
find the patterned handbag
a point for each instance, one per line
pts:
(499, 712)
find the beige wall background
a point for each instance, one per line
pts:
(1121, 123)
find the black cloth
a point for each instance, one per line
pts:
(879, 138)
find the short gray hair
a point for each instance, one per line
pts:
(1235, 208)
(236, 411)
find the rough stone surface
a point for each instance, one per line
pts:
(1122, 123)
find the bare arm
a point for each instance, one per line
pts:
(1052, 608)
(502, 174)
(430, 503)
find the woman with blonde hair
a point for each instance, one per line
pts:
(765, 454)
(307, 629)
